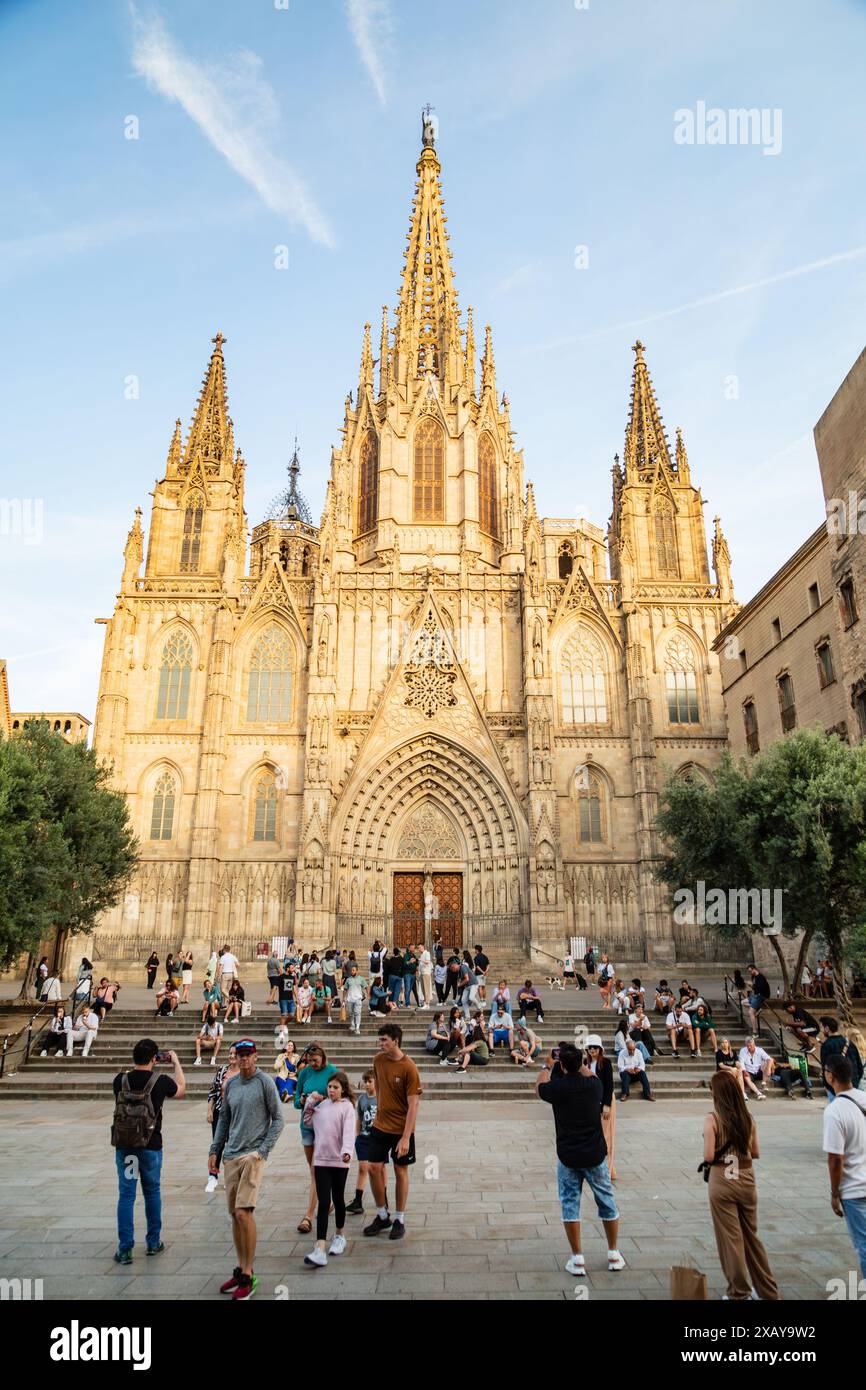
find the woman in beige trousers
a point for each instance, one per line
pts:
(730, 1147)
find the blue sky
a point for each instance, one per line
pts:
(260, 126)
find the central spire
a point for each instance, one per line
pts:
(210, 442)
(427, 333)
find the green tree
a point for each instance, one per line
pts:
(66, 844)
(793, 818)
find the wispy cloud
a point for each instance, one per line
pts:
(524, 277)
(237, 110)
(855, 254)
(370, 23)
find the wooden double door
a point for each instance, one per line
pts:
(409, 927)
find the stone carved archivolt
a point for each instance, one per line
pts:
(430, 766)
(430, 673)
(428, 836)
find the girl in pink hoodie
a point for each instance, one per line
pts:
(333, 1123)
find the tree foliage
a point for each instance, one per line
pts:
(66, 844)
(792, 818)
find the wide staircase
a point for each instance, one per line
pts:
(568, 1016)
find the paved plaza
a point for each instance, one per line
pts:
(483, 1219)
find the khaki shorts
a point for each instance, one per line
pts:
(243, 1177)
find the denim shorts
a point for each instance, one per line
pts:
(308, 1136)
(570, 1182)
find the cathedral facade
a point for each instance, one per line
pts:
(435, 708)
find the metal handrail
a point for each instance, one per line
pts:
(11, 1040)
(734, 994)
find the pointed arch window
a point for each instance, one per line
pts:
(162, 807)
(583, 685)
(591, 808)
(428, 501)
(264, 807)
(667, 563)
(368, 483)
(269, 688)
(193, 517)
(681, 683)
(566, 560)
(174, 676)
(488, 501)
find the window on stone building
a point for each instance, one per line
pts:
(590, 808)
(488, 503)
(265, 807)
(787, 707)
(162, 809)
(190, 550)
(860, 710)
(681, 683)
(750, 720)
(849, 602)
(269, 689)
(429, 473)
(284, 556)
(826, 674)
(368, 483)
(582, 680)
(174, 676)
(667, 563)
(777, 630)
(814, 598)
(566, 560)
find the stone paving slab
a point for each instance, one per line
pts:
(488, 1228)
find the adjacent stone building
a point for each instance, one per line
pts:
(779, 656)
(840, 438)
(433, 708)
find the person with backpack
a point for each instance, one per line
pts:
(136, 1135)
(845, 1147)
(250, 1123)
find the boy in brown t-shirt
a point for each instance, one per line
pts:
(398, 1090)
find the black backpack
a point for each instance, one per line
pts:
(135, 1116)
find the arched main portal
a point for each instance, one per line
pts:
(430, 820)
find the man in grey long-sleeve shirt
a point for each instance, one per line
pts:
(250, 1123)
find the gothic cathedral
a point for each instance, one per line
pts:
(434, 688)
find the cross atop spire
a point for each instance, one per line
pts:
(210, 439)
(645, 442)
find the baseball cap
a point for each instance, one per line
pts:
(593, 1041)
(246, 1045)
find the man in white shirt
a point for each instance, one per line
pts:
(354, 994)
(632, 1067)
(227, 970)
(679, 1027)
(641, 1030)
(845, 1147)
(501, 1029)
(210, 1038)
(84, 1032)
(756, 1063)
(425, 975)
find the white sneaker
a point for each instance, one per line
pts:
(338, 1245)
(197, 1062)
(212, 1183)
(43, 1054)
(213, 1061)
(576, 1265)
(615, 1260)
(317, 1258)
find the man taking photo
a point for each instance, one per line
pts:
(567, 1084)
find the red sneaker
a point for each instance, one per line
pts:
(231, 1284)
(246, 1288)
